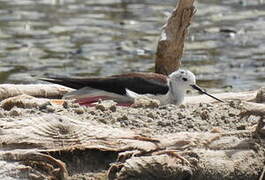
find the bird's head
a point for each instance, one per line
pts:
(183, 79)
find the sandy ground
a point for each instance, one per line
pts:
(155, 120)
(146, 121)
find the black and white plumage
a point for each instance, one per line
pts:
(126, 87)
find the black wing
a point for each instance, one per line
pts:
(117, 84)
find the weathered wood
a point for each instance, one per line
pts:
(171, 44)
(202, 155)
(36, 90)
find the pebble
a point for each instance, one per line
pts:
(180, 115)
(75, 105)
(15, 112)
(223, 117)
(113, 108)
(103, 121)
(205, 115)
(231, 114)
(100, 107)
(50, 108)
(79, 111)
(44, 105)
(190, 125)
(122, 118)
(151, 115)
(163, 123)
(182, 106)
(241, 127)
(92, 112)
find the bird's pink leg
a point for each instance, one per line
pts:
(88, 101)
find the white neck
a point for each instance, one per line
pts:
(175, 95)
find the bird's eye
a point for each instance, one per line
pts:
(184, 79)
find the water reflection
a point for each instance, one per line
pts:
(101, 37)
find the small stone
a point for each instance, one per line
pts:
(231, 114)
(190, 125)
(209, 105)
(151, 115)
(232, 104)
(180, 115)
(75, 105)
(182, 106)
(50, 109)
(226, 121)
(204, 115)
(101, 107)
(44, 105)
(92, 112)
(79, 111)
(15, 112)
(189, 118)
(194, 161)
(241, 127)
(163, 123)
(223, 117)
(149, 120)
(113, 108)
(122, 118)
(103, 121)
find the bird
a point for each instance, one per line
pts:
(125, 88)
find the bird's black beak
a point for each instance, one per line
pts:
(204, 92)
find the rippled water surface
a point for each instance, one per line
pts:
(225, 47)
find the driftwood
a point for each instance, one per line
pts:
(49, 141)
(58, 146)
(36, 90)
(171, 44)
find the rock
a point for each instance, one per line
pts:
(146, 102)
(151, 115)
(180, 115)
(50, 109)
(15, 112)
(105, 105)
(100, 107)
(122, 118)
(241, 127)
(79, 110)
(113, 108)
(231, 114)
(204, 115)
(182, 106)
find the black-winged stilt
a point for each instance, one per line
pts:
(126, 87)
